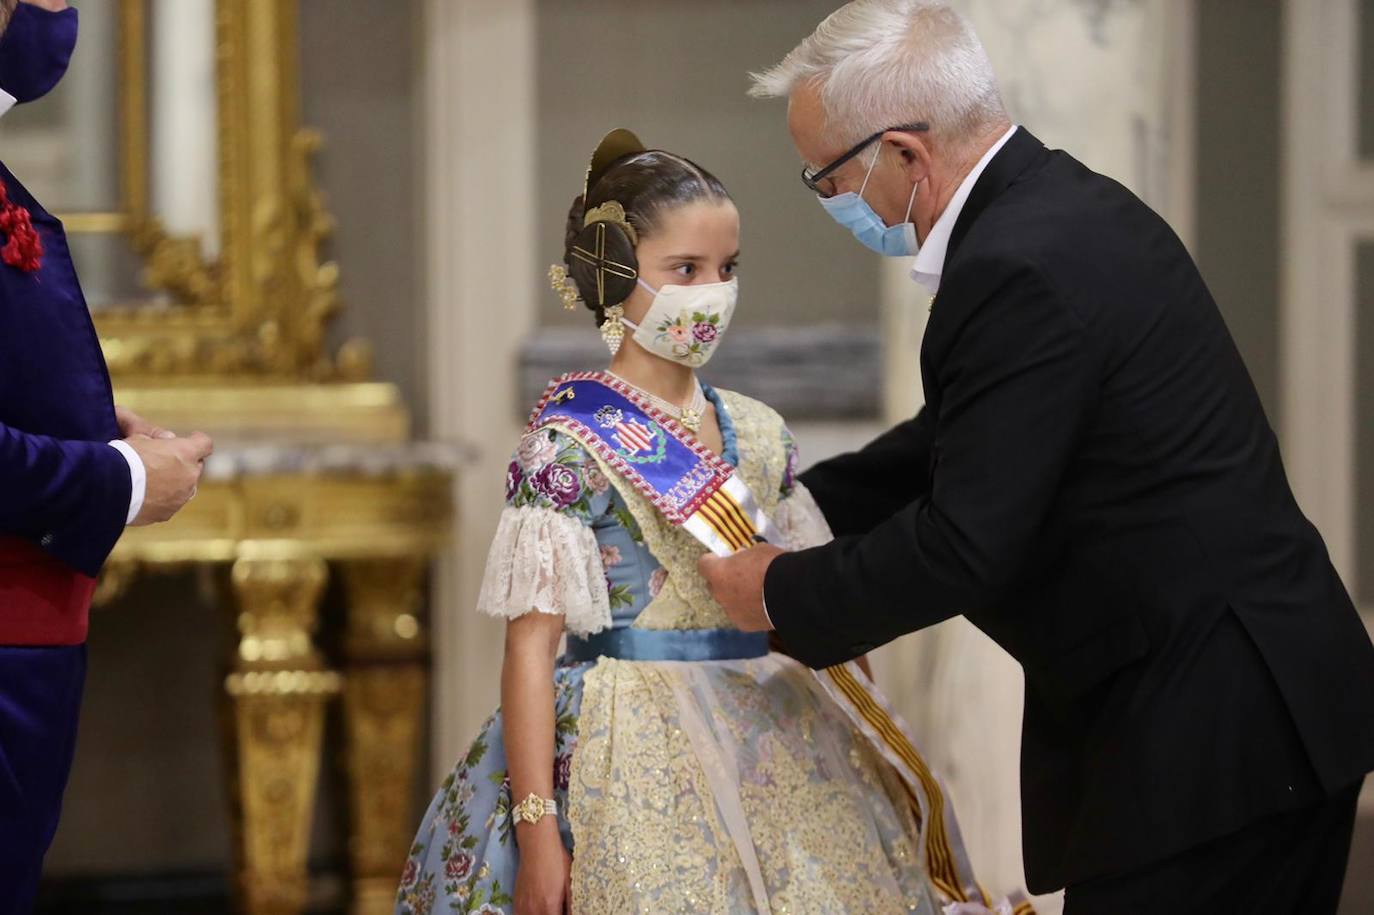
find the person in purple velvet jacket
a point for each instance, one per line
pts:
(74, 471)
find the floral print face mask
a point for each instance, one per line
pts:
(685, 323)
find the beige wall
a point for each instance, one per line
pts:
(1238, 175)
(359, 76)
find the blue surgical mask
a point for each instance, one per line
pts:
(853, 212)
(35, 50)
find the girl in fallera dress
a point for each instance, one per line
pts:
(666, 762)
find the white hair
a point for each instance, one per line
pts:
(884, 63)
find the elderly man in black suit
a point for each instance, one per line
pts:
(1092, 482)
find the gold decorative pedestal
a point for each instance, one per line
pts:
(384, 702)
(274, 721)
(279, 517)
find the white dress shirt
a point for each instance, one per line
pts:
(138, 475)
(930, 259)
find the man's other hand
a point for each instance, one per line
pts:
(174, 466)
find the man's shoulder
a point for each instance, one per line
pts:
(1065, 223)
(1064, 202)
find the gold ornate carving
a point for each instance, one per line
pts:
(174, 264)
(275, 695)
(278, 603)
(337, 516)
(384, 598)
(263, 307)
(385, 649)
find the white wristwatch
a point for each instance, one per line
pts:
(533, 809)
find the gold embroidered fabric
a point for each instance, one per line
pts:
(731, 786)
(823, 822)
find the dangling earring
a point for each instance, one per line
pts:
(612, 330)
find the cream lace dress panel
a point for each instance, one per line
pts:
(731, 786)
(544, 560)
(799, 519)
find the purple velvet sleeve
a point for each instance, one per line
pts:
(69, 497)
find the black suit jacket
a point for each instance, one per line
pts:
(1093, 483)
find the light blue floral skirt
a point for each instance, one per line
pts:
(464, 857)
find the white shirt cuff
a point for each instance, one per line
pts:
(138, 475)
(764, 599)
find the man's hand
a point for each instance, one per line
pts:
(736, 583)
(131, 425)
(174, 466)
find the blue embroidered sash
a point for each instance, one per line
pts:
(652, 452)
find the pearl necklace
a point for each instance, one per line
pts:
(689, 415)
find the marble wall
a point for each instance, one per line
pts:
(1091, 77)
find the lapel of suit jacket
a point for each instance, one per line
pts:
(1021, 153)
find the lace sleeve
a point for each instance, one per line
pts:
(544, 556)
(548, 561)
(799, 519)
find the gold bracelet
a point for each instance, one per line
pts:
(533, 809)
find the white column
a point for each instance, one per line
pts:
(182, 103)
(479, 103)
(1112, 83)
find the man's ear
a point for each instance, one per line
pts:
(913, 150)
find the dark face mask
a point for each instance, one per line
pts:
(35, 51)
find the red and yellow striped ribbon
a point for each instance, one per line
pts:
(727, 518)
(939, 856)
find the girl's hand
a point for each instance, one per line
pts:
(543, 879)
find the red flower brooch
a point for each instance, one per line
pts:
(24, 249)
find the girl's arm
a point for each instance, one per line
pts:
(542, 878)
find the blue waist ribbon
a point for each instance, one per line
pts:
(668, 645)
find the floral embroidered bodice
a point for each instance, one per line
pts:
(562, 502)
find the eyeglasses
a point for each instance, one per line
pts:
(812, 179)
